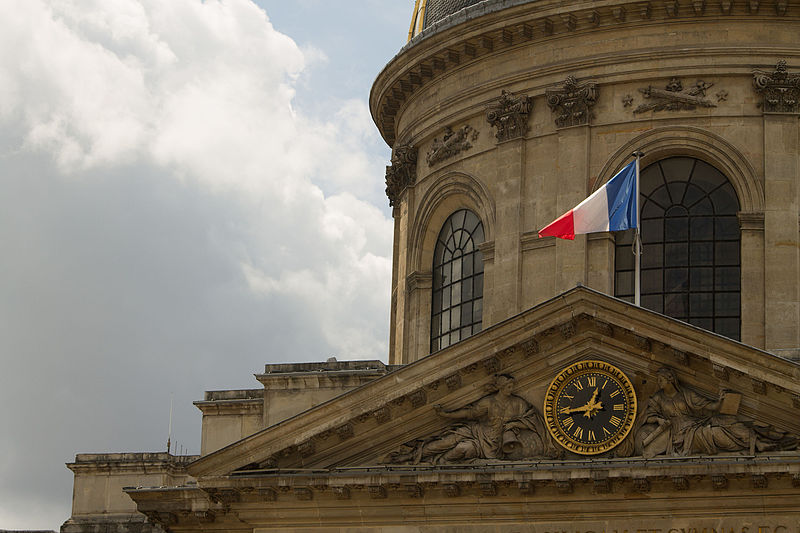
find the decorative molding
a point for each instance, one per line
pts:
(564, 486)
(674, 97)
(568, 329)
(377, 492)
(415, 490)
(383, 415)
(453, 381)
(671, 7)
(451, 144)
(509, 114)
(303, 494)
(750, 221)
(680, 483)
(488, 488)
(796, 401)
(527, 487)
(627, 100)
(572, 102)
(719, 481)
(402, 173)
(451, 490)
(307, 448)
(601, 486)
(419, 280)
(418, 398)
(759, 386)
(530, 347)
(642, 342)
(267, 495)
(491, 365)
(680, 356)
(722, 95)
(641, 485)
(345, 431)
(759, 481)
(721, 372)
(779, 90)
(605, 328)
(342, 493)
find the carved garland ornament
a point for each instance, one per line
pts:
(402, 173)
(779, 90)
(572, 103)
(674, 97)
(451, 144)
(509, 114)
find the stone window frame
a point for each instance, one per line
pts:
(691, 141)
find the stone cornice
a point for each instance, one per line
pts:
(701, 480)
(405, 397)
(232, 407)
(160, 462)
(455, 45)
(751, 221)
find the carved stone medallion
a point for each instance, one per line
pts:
(590, 407)
(779, 90)
(572, 102)
(402, 173)
(674, 97)
(509, 114)
(451, 144)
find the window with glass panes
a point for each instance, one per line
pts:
(457, 292)
(690, 246)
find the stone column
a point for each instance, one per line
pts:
(752, 278)
(503, 300)
(782, 249)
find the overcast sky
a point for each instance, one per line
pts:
(188, 190)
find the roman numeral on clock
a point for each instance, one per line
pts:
(615, 421)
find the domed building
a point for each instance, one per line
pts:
(525, 391)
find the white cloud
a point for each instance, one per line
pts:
(153, 161)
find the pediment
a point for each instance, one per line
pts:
(392, 415)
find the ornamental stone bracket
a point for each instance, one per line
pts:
(509, 114)
(674, 97)
(402, 173)
(779, 90)
(572, 102)
(451, 144)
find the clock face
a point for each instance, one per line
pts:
(590, 407)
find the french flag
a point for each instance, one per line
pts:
(612, 207)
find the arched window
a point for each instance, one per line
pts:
(457, 292)
(690, 254)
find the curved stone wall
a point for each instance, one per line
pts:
(539, 103)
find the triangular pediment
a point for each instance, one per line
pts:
(397, 412)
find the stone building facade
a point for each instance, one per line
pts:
(525, 392)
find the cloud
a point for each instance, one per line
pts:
(171, 220)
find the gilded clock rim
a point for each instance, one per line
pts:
(552, 394)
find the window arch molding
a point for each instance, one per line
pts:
(689, 141)
(450, 193)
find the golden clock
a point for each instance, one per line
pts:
(590, 407)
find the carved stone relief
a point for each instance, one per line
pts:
(779, 90)
(499, 426)
(451, 144)
(674, 97)
(402, 172)
(572, 102)
(509, 114)
(680, 421)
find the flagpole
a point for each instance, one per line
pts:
(637, 242)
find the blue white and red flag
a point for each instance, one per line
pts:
(612, 207)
